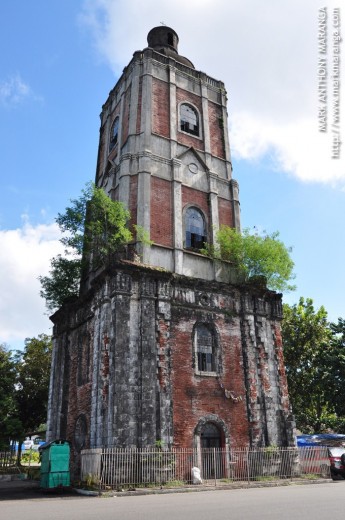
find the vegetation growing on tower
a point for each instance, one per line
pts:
(255, 255)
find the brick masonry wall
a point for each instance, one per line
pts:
(216, 130)
(225, 212)
(192, 196)
(198, 198)
(139, 106)
(160, 108)
(196, 396)
(125, 115)
(183, 138)
(124, 360)
(161, 212)
(133, 199)
(115, 113)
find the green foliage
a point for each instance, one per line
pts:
(32, 381)
(10, 426)
(105, 227)
(62, 282)
(24, 383)
(72, 221)
(94, 224)
(255, 256)
(143, 235)
(337, 365)
(94, 227)
(30, 456)
(315, 366)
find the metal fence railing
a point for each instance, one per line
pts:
(121, 467)
(8, 462)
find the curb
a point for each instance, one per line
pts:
(198, 489)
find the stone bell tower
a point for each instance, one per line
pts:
(164, 152)
(167, 344)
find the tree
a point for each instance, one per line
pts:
(255, 256)
(32, 382)
(308, 352)
(10, 425)
(62, 282)
(337, 364)
(94, 227)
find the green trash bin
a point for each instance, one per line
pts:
(55, 458)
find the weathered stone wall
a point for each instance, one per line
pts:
(125, 370)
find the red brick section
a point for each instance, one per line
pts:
(139, 108)
(160, 108)
(161, 231)
(225, 212)
(125, 115)
(189, 97)
(162, 344)
(133, 199)
(195, 396)
(199, 198)
(216, 130)
(81, 402)
(116, 112)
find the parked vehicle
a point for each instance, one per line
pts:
(37, 443)
(321, 439)
(32, 444)
(337, 460)
(27, 444)
(335, 444)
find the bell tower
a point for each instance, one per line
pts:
(164, 152)
(171, 348)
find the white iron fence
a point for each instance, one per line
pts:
(113, 468)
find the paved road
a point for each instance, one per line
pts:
(307, 502)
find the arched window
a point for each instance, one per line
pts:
(114, 133)
(205, 349)
(189, 119)
(195, 228)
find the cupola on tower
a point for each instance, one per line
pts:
(165, 344)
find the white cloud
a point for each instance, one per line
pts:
(25, 254)
(266, 53)
(14, 91)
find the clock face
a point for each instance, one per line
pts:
(193, 168)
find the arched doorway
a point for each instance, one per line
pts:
(210, 436)
(211, 453)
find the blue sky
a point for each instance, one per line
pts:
(59, 61)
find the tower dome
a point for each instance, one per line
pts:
(165, 40)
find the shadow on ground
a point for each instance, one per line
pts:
(29, 489)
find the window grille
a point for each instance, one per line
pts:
(189, 120)
(195, 229)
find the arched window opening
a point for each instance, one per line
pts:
(114, 133)
(189, 120)
(205, 349)
(170, 39)
(195, 229)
